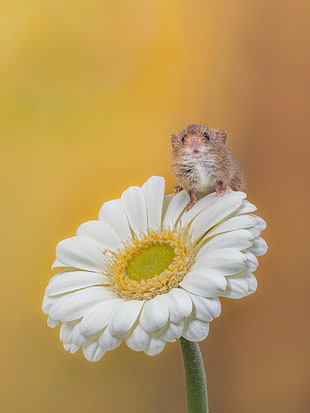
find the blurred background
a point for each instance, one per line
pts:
(90, 93)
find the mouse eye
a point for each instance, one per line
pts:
(183, 138)
(206, 135)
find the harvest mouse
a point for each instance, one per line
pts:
(203, 164)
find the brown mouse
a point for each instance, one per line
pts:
(203, 164)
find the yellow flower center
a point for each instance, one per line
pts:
(152, 264)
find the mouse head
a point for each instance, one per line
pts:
(196, 137)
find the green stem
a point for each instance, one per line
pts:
(195, 378)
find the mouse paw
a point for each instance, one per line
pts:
(177, 189)
(190, 205)
(222, 190)
(193, 200)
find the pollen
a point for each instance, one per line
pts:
(151, 264)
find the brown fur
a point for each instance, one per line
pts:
(214, 169)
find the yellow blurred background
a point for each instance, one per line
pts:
(90, 92)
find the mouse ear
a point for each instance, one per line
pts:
(221, 134)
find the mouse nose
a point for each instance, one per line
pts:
(194, 141)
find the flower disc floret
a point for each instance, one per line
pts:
(152, 264)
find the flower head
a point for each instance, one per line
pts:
(148, 272)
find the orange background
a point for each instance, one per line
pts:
(90, 92)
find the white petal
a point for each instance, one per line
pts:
(259, 247)
(67, 346)
(257, 229)
(252, 261)
(73, 348)
(92, 351)
(107, 341)
(205, 282)
(47, 303)
(173, 331)
(246, 207)
(196, 330)
(232, 224)
(260, 222)
(79, 252)
(74, 305)
(237, 287)
(114, 213)
(167, 200)
(156, 346)
(203, 203)
(77, 337)
(65, 332)
(133, 201)
(155, 314)
(180, 304)
(227, 260)
(139, 339)
(52, 323)
(221, 209)
(57, 264)
(252, 283)
(101, 233)
(240, 239)
(205, 309)
(240, 285)
(154, 190)
(125, 317)
(175, 208)
(67, 281)
(99, 316)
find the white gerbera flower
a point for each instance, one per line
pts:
(148, 272)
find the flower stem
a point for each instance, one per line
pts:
(195, 378)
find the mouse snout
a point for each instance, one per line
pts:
(194, 141)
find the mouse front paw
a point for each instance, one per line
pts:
(222, 189)
(177, 189)
(193, 200)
